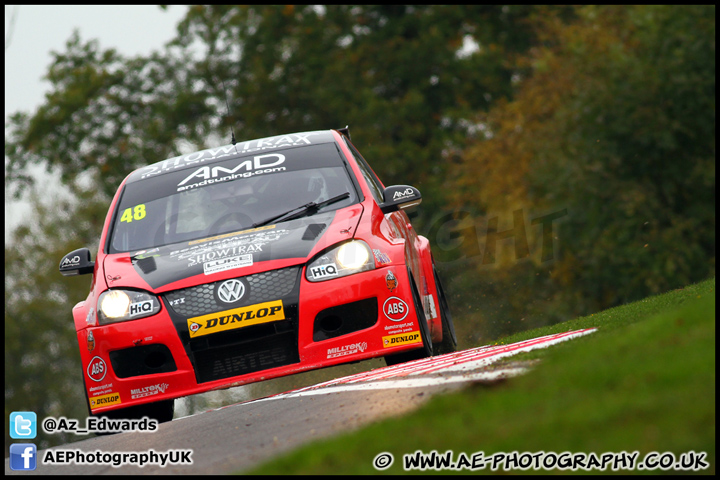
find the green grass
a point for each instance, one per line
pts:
(645, 382)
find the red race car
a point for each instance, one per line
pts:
(247, 262)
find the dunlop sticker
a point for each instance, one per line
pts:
(236, 318)
(401, 339)
(105, 400)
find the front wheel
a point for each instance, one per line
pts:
(449, 339)
(427, 347)
(161, 411)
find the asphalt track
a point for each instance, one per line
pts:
(236, 437)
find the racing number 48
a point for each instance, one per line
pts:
(130, 214)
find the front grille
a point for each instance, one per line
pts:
(231, 360)
(243, 350)
(263, 287)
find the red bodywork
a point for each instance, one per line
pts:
(392, 235)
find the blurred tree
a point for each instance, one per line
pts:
(42, 364)
(405, 78)
(616, 123)
(105, 116)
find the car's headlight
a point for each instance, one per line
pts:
(121, 305)
(346, 259)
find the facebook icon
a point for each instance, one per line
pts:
(23, 456)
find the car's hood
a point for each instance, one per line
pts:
(232, 254)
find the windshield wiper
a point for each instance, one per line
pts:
(303, 210)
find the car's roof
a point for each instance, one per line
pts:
(225, 152)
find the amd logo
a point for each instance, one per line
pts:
(207, 173)
(408, 192)
(70, 262)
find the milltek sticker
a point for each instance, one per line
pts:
(401, 339)
(148, 391)
(236, 318)
(346, 350)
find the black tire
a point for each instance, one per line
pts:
(162, 411)
(427, 347)
(449, 340)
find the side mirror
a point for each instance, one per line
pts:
(77, 262)
(400, 197)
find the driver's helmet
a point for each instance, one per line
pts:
(233, 191)
(299, 188)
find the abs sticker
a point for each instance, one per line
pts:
(97, 369)
(401, 339)
(395, 309)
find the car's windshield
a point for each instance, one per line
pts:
(223, 197)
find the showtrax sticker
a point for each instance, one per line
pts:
(236, 318)
(227, 264)
(214, 154)
(239, 243)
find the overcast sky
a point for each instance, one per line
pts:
(33, 31)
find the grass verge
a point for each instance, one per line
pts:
(644, 382)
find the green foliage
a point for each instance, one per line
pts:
(616, 124)
(105, 116)
(42, 365)
(392, 72)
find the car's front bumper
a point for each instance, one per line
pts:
(347, 319)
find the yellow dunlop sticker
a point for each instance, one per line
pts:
(105, 400)
(401, 339)
(236, 318)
